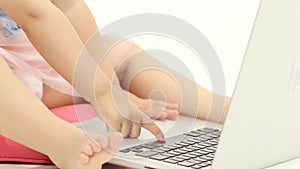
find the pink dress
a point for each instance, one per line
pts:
(28, 64)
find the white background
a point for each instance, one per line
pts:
(226, 23)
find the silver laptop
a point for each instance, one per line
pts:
(262, 126)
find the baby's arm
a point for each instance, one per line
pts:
(49, 30)
(80, 17)
(84, 23)
(55, 38)
(86, 27)
(57, 41)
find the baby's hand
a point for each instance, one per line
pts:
(115, 108)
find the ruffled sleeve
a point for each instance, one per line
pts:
(8, 27)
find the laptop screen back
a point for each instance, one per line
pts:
(263, 121)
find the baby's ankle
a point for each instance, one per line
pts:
(68, 151)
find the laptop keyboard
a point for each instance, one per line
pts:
(195, 149)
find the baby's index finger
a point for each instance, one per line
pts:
(155, 130)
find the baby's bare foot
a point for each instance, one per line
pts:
(88, 154)
(100, 151)
(87, 151)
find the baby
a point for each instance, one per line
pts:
(48, 49)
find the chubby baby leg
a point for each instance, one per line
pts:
(26, 120)
(53, 98)
(115, 67)
(80, 152)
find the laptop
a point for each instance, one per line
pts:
(262, 125)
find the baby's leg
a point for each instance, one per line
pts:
(153, 107)
(26, 120)
(143, 75)
(53, 98)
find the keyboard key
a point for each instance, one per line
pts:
(213, 135)
(179, 145)
(200, 132)
(218, 132)
(210, 155)
(206, 158)
(184, 157)
(194, 161)
(202, 151)
(159, 157)
(173, 152)
(180, 151)
(216, 141)
(189, 155)
(193, 134)
(161, 149)
(192, 140)
(206, 164)
(209, 158)
(176, 146)
(206, 144)
(171, 161)
(205, 138)
(209, 150)
(167, 154)
(209, 129)
(151, 146)
(176, 139)
(186, 149)
(196, 153)
(127, 150)
(186, 164)
(201, 160)
(197, 166)
(137, 150)
(173, 146)
(200, 139)
(209, 162)
(159, 143)
(177, 159)
(136, 147)
(182, 144)
(199, 146)
(188, 142)
(147, 153)
(203, 131)
(192, 147)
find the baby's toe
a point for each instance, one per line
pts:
(172, 114)
(87, 150)
(84, 158)
(172, 106)
(162, 116)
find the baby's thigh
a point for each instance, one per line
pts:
(53, 98)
